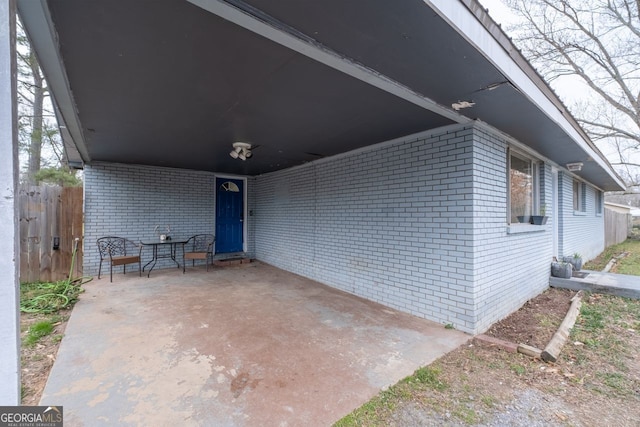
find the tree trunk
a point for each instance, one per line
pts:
(35, 144)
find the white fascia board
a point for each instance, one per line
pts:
(458, 16)
(37, 21)
(325, 56)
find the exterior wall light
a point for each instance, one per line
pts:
(574, 167)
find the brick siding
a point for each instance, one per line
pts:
(582, 231)
(412, 225)
(130, 200)
(509, 267)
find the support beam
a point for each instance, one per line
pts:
(9, 231)
(39, 27)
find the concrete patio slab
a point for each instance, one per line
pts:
(621, 285)
(239, 346)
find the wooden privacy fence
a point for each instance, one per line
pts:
(617, 226)
(50, 220)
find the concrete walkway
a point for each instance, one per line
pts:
(621, 285)
(237, 346)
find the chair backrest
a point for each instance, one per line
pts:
(112, 246)
(201, 242)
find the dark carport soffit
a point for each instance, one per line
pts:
(174, 83)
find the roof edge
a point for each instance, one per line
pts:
(555, 109)
(38, 25)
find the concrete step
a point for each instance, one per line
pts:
(231, 261)
(621, 285)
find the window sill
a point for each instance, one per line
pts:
(579, 213)
(525, 228)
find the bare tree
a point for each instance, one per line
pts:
(31, 95)
(597, 41)
(39, 138)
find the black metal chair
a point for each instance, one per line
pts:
(198, 247)
(119, 251)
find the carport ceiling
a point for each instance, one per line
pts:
(168, 83)
(176, 82)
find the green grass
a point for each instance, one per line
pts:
(428, 376)
(518, 369)
(37, 331)
(369, 413)
(374, 412)
(592, 317)
(601, 327)
(489, 401)
(467, 415)
(627, 265)
(615, 380)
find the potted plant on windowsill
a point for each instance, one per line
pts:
(540, 219)
(575, 260)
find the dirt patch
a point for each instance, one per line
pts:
(37, 359)
(595, 382)
(536, 322)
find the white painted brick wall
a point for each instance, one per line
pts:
(509, 269)
(392, 224)
(130, 200)
(412, 225)
(581, 232)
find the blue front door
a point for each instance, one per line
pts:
(229, 215)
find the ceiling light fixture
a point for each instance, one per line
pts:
(462, 104)
(234, 153)
(241, 150)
